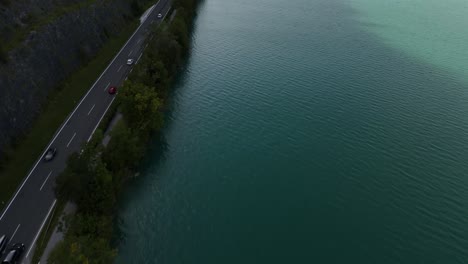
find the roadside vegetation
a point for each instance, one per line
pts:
(94, 179)
(3, 54)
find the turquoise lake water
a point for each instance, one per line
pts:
(311, 131)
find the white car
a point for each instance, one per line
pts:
(130, 62)
(159, 15)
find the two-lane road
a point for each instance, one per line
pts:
(26, 213)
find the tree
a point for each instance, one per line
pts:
(3, 55)
(152, 72)
(72, 182)
(99, 197)
(167, 49)
(135, 6)
(180, 31)
(186, 4)
(140, 107)
(82, 250)
(124, 150)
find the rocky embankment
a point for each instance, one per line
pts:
(41, 43)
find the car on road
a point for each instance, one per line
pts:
(50, 154)
(3, 244)
(14, 255)
(159, 15)
(112, 90)
(130, 62)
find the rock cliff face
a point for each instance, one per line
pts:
(44, 41)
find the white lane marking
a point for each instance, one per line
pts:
(130, 53)
(119, 68)
(14, 233)
(131, 70)
(107, 86)
(94, 130)
(71, 139)
(126, 78)
(42, 186)
(167, 12)
(139, 58)
(138, 42)
(91, 109)
(68, 119)
(40, 229)
(146, 46)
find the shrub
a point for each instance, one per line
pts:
(3, 55)
(82, 53)
(136, 8)
(5, 2)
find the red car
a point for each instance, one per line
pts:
(112, 90)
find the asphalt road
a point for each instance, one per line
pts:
(27, 211)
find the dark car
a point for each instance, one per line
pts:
(3, 243)
(50, 154)
(112, 90)
(14, 255)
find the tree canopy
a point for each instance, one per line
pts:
(140, 106)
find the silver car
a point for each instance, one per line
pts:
(50, 154)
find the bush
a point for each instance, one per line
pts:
(179, 29)
(82, 53)
(124, 150)
(136, 8)
(5, 2)
(3, 55)
(140, 107)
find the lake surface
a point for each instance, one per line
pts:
(311, 131)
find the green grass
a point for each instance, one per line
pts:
(46, 233)
(62, 101)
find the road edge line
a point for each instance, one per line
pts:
(14, 233)
(40, 229)
(100, 119)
